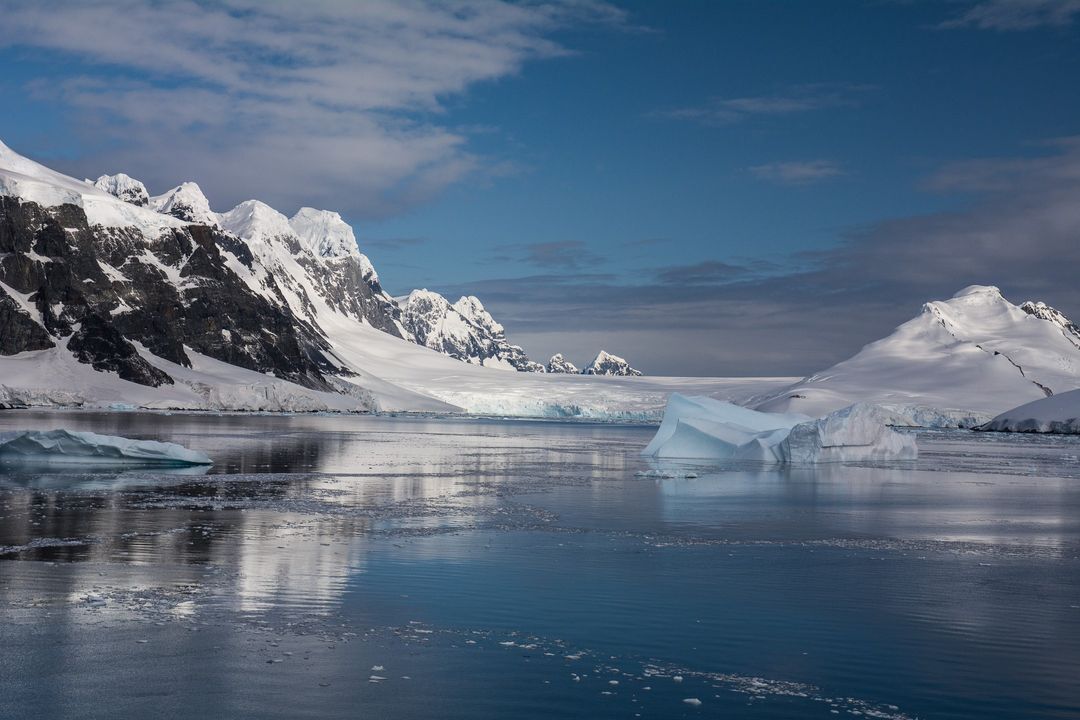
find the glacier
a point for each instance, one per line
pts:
(707, 429)
(79, 448)
(1059, 414)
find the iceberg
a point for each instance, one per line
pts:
(704, 428)
(860, 432)
(701, 427)
(66, 446)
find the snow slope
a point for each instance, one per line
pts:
(975, 354)
(23, 178)
(1057, 414)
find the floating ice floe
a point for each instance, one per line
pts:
(703, 428)
(65, 446)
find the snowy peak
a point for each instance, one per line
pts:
(607, 364)
(560, 365)
(975, 351)
(186, 202)
(254, 220)
(324, 232)
(125, 188)
(329, 237)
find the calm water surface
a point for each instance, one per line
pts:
(352, 567)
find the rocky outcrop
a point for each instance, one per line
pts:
(607, 364)
(18, 331)
(1052, 315)
(559, 364)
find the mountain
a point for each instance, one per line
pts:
(464, 331)
(559, 364)
(607, 364)
(97, 276)
(975, 352)
(107, 302)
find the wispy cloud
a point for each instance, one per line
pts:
(792, 100)
(712, 272)
(566, 254)
(1005, 15)
(322, 102)
(799, 172)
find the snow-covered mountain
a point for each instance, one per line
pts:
(124, 187)
(463, 330)
(975, 352)
(105, 301)
(559, 364)
(607, 364)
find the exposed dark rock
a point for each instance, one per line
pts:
(18, 331)
(99, 344)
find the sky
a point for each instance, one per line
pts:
(705, 188)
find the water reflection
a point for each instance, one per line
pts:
(952, 577)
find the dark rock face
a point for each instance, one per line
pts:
(99, 344)
(107, 287)
(18, 331)
(346, 287)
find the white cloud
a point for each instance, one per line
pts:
(800, 172)
(333, 102)
(1016, 14)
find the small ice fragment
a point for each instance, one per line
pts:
(377, 668)
(692, 701)
(677, 678)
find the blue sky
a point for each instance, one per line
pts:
(703, 187)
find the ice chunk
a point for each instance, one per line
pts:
(65, 446)
(859, 432)
(703, 428)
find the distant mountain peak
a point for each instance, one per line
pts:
(124, 187)
(187, 202)
(463, 330)
(976, 352)
(607, 364)
(560, 365)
